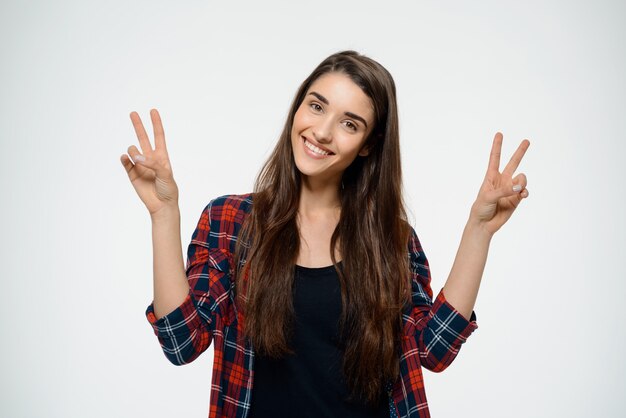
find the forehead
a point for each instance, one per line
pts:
(343, 94)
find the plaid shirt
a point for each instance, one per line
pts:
(433, 330)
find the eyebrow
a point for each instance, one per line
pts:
(349, 114)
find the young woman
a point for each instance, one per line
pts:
(314, 289)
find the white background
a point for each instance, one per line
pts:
(76, 271)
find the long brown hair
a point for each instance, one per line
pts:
(373, 234)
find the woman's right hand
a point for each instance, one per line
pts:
(151, 172)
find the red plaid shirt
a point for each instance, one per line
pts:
(433, 330)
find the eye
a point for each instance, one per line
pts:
(351, 125)
(315, 107)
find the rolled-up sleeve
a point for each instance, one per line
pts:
(187, 331)
(438, 327)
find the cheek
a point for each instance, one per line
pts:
(351, 145)
(302, 119)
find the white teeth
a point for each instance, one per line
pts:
(315, 149)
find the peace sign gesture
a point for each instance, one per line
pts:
(151, 173)
(500, 193)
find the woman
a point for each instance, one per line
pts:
(314, 288)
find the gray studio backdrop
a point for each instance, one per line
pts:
(76, 271)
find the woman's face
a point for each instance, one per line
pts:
(330, 127)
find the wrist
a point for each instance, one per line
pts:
(167, 213)
(478, 230)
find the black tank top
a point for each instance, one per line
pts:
(310, 383)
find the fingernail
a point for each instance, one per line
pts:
(139, 158)
(517, 188)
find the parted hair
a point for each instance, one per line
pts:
(372, 232)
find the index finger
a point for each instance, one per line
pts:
(144, 142)
(516, 158)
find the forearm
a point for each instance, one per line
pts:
(461, 288)
(170, 279)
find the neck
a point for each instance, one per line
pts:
(319, 198)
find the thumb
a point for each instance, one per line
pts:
(515, 187)
(148, 161)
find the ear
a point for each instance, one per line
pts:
(364, 151)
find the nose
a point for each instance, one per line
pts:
(322, 131)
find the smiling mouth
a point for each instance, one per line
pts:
(315, 149)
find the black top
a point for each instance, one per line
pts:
(310, 383)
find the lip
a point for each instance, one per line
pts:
(313, 154)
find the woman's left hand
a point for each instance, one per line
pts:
(497, 199)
